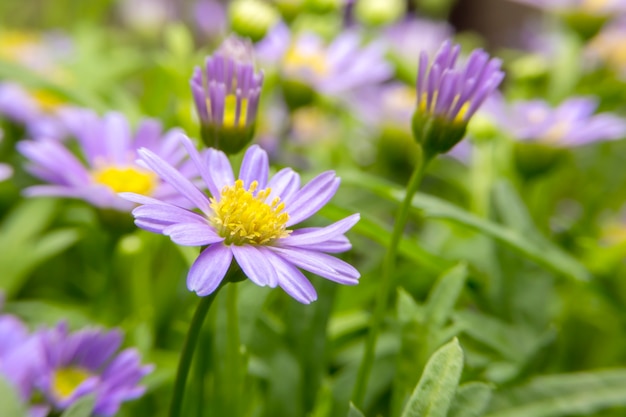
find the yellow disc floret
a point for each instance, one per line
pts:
(242, 216)
(126, 179)
(66, 380)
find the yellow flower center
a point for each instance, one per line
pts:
(594, 6)
(431, 110)
(66, 380)
(230, 112)
(126, 179)
(243, 217)
(297, 60)
(13, 44)
(47, 100)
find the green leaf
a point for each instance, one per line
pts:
(541, 251)
(435, 391)
(355, 412)
(572, 394)
(10, 404)
(443, 296)
(81, 408)
(471, 400)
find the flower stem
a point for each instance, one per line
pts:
(365, 368)
(187, 353)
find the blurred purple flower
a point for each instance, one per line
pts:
(248, 219)
(227, 95)
(37, 111)
(210, 17)
(86, 362)
(106, 161)
(19, 355)
(609, 47)
(452, 93)
(600, 7)
(572, 123)
(332, 69)
(409, 37)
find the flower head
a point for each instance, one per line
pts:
(227, 95)
(249, 219)
(18, 355)
(106, 163)
(448, 96)
(306, 62)
(572, 123)
(87, 362)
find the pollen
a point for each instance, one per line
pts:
(243, 216)
(126, 179)
(66, 380)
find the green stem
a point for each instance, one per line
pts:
(187, 354)
(233, 356)
(386, 282)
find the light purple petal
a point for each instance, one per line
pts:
(325, 266)
(320, 235)
(209, 269)
(254, 167)
(192, 234)
(312, 197)
(291, 279)
(203, 169)
(220, 171)
(176, 180)
(255, 265)
(284, 184)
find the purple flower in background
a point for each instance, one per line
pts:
(87, 362)
(107, 161)
(332, 69)
(37, 111)
(210, 17)
(19, 355)
(249, 218)
(448, 95)
(409, 37)
(600, 7)
(227, 94)
(572, 123)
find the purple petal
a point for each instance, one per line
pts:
(254, 167)
(325, 266)
(291, 279)
(312, 197)
(284, 184)
(220, 171)
(192, 234)
(176, 180)
(255, 265)
(321, 235)
(207, 272)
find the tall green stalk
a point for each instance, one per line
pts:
(386, 283)
(186, 355)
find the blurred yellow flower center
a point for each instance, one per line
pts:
(243, 217)
(126, 179)
(594, 5)
(297, 60)
(459, 118)
(66, 380)
(47, 100)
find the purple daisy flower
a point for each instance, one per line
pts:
(107, 161)
(595, 7)
(572, 123)
(448, 95)
(248, 219)
(333, 69)
(227, 95)
(86, 362)
(37, 111)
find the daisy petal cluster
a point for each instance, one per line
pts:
(105, 163)
(88, 362)
(305, 61)
(226, 93)
(52, 368)
(572, 123)
(249, 219)
(448, 94)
